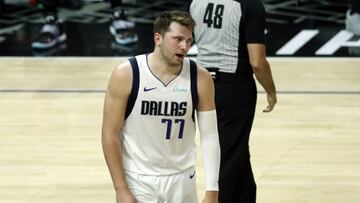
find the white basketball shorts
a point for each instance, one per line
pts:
(176, 188)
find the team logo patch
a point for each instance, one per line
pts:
(180, 90)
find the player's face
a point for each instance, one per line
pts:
(176, 43)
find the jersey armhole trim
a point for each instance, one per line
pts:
(194, 89)
(134, 88)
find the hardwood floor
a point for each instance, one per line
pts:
(306, 150)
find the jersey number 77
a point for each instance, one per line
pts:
(169, 123)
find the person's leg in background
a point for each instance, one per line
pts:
(355, 6)
(352, 22)
(71, 4)
(121, 28)
(2, 6)
(52, 32)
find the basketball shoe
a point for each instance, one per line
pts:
(352, 22)
(51, 34)
(122, 29)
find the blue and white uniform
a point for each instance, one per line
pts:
(158, 136)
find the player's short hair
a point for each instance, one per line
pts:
(162, 22)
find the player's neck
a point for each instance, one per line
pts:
(162, 70)
(160, 66)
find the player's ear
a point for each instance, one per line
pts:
(157, 38)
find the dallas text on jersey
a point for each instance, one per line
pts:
(163, 108)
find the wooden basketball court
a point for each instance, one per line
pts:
(306, 151)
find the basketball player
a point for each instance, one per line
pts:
(230, 38)
(148, 126)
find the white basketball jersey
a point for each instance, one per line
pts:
(158, 134)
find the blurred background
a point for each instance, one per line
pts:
(294, 28)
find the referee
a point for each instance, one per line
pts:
(230, 38)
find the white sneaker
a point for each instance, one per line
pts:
(123, 31)
(352, 22)
(51, 34)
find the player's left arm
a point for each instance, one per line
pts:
(209, 137)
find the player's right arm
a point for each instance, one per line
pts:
(116, 97)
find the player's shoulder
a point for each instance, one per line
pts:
(123, 70)
(202, 73)
(121, 80)
(201, 69)
(121, 76)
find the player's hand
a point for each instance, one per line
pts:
(125, 196)
(211, 197)
(272, 100)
